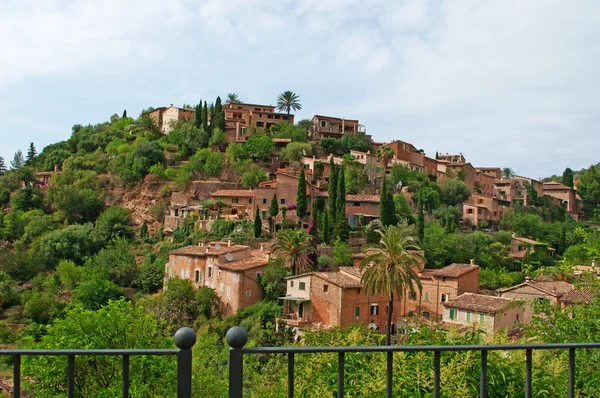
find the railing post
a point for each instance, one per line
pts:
(237, 338)
(184, 339)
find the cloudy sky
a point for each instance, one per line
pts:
(506, 82)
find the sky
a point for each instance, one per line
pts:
(508, 83)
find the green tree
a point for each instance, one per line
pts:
(301, 202)
(272, 213)
(219, 119)
(259, 147)
(257, 223)
(402, 207)
(208, 302)
(341, 221)
(253, 176)
(218, 137)
(420, 221)
(453, 192)
(342, 255)
(567, 177)
(295, 150)
(233, 98)
(70, 274)
(8, 291)
(95, 292)
(387, 208)
(117, 325)
(151, 274)
(18, 161)
(332, 191)
(589, 189)
(449, 217)
(385, 154)
(75, 242)
(389, 268)
(124, 114)
(288, 101)
(273, 280)
(114, 223)
(205, 116)
(2, 166)
(117, 262)
(294, 246)
(198, 115)
(179, 307)
(325, 227)
(507, 173)
(31, 154)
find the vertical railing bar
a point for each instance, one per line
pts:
(571, 372)
(125, 384)
(236, 373)
(16, 376)
(483, 375)
(390, 362)
(340, 393)
(436, 373)
(71, 376)
(290, 375)
(528, 372)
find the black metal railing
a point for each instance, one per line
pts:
(184, 339)
(237, 337)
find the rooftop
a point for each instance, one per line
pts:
(208, 250)
(242, 193)
(479, 303)
(339, 279)
(586, 296)
(256, 259)
(362, 198)
(455, 270)
(551, 185)
(545, 285)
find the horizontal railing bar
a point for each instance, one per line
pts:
(497, 347)
(84, 352)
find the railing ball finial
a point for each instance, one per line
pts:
(185, 338)
(236, 337)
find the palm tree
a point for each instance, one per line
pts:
(385, 154)
(389, 268)
(233, 98)
(287, 101)
(508, 173)
(293, 246)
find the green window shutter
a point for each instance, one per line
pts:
(426, 296)
(468, 317)
(481, 318)
(452, 314)
(357, 312)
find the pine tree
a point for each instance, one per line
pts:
(301, 204)
(273, 212)
(205, 116)
(332, 190)
(144, 231)
(2, 166)
(198, 115)
(257, 224)
(31, 154)
(17, 161)
(567, 177)
(124, 114)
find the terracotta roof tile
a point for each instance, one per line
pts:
(579, 296)
(479, 303)
(339, 279)
(455, 270)
(201, 250)
(244, 264)
(362, 198)
(242, 193)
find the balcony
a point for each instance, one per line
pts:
(293, 320)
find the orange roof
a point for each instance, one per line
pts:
(241, 193)
(479, 303)
(455, 270)
(362, 198)
(207, 251)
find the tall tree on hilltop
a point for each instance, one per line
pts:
(332, 191)
(198, 115)
(294, 246)
(588, 187)
(2, 166)
(272, 213)
(219, 114)
(387, 208)
(341, 221)
(205, 116)
(211, 116)
(385, 154)
(17, 161)
(257, 223)
(420, 220)
(233, 98)
(391, 268)
(301, 203)
(124, 114)
(288, 101)
(567, 177)
(507, 173)
(31, 154)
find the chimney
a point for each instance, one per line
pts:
(171, 105)
(472, 262)
(314, 158)
(262, 248)
(527, 279)
(268, 256)
(593, 262)
(553, 290)
(207, 249)
(229, 242)
(55, 168)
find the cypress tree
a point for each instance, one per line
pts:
(341, 228)
(420, 221)
(211, 116)
(31, 154)
(219, 115)
(273, 212)
(144, 231)
(325, 227)
(384, 217)
(332, 190)
(198, 115)
(124, 114)
(314, 219)
(301, 197)
(567, 177)
(2, 166)
(257, 223)
(205, 116)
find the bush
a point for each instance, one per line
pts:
(342, 255)
(324, 262)
(96, 292)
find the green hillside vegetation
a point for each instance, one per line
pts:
(74, 267)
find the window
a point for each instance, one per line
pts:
(481, 318)
(221, 287)
(358, 291)
(291, 283)
(235, 200)
(197, 276)
(468, 317)
(374, 309)
(325, 288)
(444, 279)
(182, 274)
(264, 201)
(426, 315)
(258, 275)
(228, 291)
(411, 313)
(323, 123)
(302, 286)
(248, 293)
(282, 201)
(249, 201)
(189, 260)
(209, 272)
(412, 295)
(469, 211)
(357, 312)
(426, 296)
(452, 314)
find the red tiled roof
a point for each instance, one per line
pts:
(455, 270)
(479, 303)
(586, 296)
(201, 250)
(245, 263)
(362, 198)
(555, 185)
(339, 279)
(241, 193)
(526, 240)
(548, 286)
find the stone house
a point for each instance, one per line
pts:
(326, 126)
(538, 289)
(232, 270)
(484, 180)
(489, 312)
(180, 208)
(538, 251)
(480, 208)
(238, 117)
(166, 117)
(579, 296)
(567, 196)
(240, 202)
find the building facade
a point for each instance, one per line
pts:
(567, 196)
(238, 117)
(488, 312)
(166, 117)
